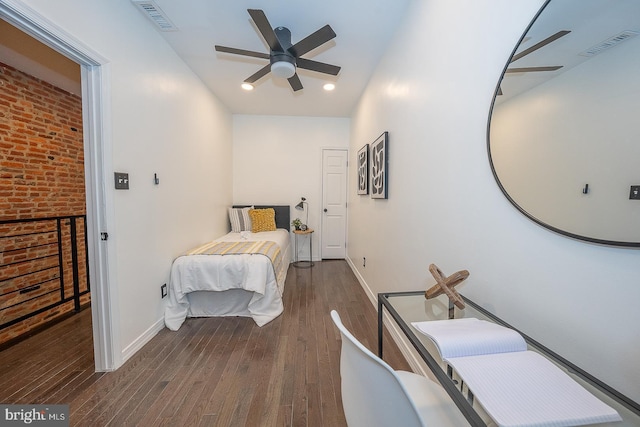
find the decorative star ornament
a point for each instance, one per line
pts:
(447, 285)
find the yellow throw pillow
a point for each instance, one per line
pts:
(262, 220)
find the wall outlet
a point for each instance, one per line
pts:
(634, 194)
(163, 290)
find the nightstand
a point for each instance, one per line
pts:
(303, 264)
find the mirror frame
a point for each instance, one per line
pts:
(622, 244)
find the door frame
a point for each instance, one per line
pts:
(97, 149)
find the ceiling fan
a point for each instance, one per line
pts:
(532, 49)
(284, 57)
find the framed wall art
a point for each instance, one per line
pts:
(363, 170)
(380, 167)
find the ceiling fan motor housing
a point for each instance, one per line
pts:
(283, 64)
(284, 37)
(282, 56)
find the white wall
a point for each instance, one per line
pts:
(432, 92)
(278, 159)
(165, 121)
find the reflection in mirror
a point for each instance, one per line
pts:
(564, 132)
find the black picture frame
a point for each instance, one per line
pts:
(379, 159)
(363, 170)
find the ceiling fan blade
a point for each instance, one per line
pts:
(295, 82)
(259, 74)
(265, 28)
(312, 41)
(241, 52)
(320, 67)
(532, 69)
(543, 43)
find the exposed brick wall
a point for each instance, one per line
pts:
(41, 175)
(42, 163)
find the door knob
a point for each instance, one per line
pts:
(325, 209)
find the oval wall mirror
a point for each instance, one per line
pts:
(564, 129)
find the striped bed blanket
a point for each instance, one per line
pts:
(263, 247)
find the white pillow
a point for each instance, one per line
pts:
(240, 220)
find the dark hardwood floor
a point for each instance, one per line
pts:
(213, 371)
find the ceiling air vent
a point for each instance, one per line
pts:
(152, 11)
(609, 43)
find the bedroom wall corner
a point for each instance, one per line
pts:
(278, 159)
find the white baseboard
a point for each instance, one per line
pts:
(139, 342)
(407, 350)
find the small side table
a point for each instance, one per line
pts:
(303, 264)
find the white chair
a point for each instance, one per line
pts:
(373, 394)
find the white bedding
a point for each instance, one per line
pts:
(244, 284)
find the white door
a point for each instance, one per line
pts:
(334, 203)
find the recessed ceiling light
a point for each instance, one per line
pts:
(329, 86)
(247, 86)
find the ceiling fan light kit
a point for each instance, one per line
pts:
(284, 58)
(283, 69)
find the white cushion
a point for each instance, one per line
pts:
(240, 220)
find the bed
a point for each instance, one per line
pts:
(239, 274)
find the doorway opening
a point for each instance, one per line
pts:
(43, 262)
(93, 87)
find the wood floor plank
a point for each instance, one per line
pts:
(140, 408)
(222, 401)
(211, 372)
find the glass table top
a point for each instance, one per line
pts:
(408, 307)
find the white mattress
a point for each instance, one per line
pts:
(229, 285)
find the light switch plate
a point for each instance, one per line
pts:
(634, 194)
(122, 180)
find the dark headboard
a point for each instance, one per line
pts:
(283, 214)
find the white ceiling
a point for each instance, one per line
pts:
(363, 30)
